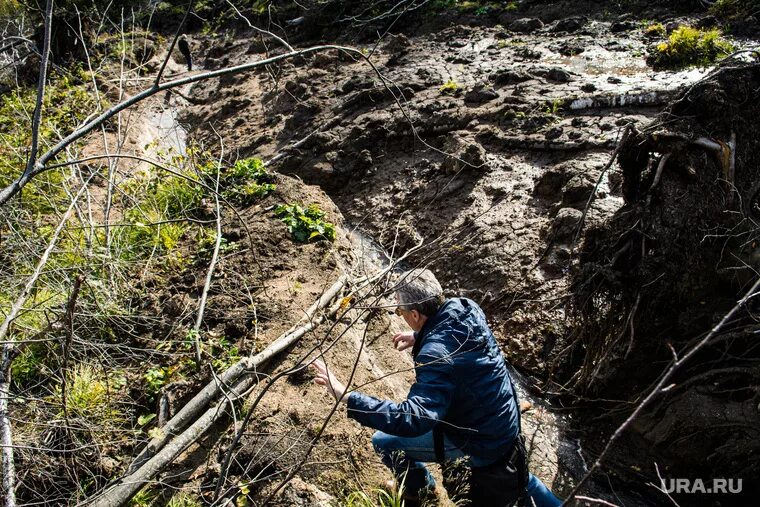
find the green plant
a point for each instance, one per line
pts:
(654, 29)
(448, 88)
(377, 498)
(184, 499)
(305, 224)
(207, 243)
(511, 6)
(691, 46)
(247, 181)
(225, 354)
(554, 106)
(156, 378)
(90, 394)
(732, 9)
(146, 497)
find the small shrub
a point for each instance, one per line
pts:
(305, 224)
(690, 46)
(449, 88)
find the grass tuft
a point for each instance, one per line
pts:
(688, 46)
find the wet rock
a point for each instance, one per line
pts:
(554, 133)
(569, 25)
(357, 83)
(466, 155)
(565, 223)
(528, 53)
(576, 192)
(588, 87)
(481, 93)
(398, 43)
(526, 25)
(509, 76)
(554, 74)
(622, 26)
(464, 58)
(569, 48)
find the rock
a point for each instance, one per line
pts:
(398, 43)
(298, 493)
(553, 133)
(528, 53)
(570, 48)
(481, 93)
(614, 80)
(577, 191)
(565, 223)
(554, 74)
(509, 76)
(578, 122)
(472, 154)
(588, 87)
(569, 25)
(622, 26)
(526, 25)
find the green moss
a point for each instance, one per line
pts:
(687, 46)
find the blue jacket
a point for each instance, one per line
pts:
(462, 383)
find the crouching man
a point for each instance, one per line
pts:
(462, 408)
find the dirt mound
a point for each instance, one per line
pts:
(665, 269)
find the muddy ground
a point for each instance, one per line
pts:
(485, 142)
(483, 136)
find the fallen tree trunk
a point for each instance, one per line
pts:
(172, 441)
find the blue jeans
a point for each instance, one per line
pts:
(406, 457)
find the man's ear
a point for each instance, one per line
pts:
(417, 315)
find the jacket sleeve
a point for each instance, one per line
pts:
(427, 403)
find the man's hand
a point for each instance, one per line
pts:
(402, 341)
(326, 378)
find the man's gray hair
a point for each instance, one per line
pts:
(419, 290)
